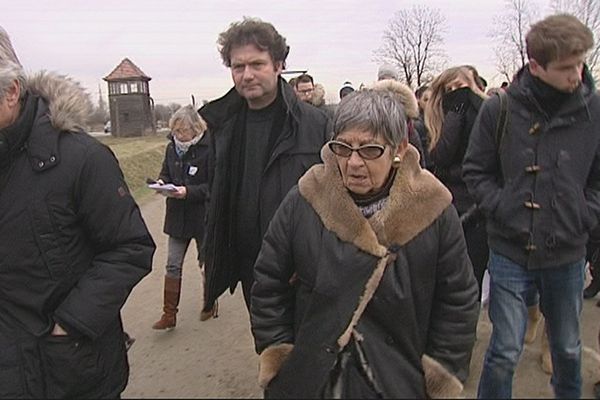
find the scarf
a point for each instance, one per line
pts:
(182, 147)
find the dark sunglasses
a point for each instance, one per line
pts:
(366, 152)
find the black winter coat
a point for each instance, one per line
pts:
(542, 196)
(447, 155)
(184, 218)
(73, 246)
(305, 130)
(312, 275)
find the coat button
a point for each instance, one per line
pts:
(52, 159)
(329, 350)
(390, 340)
(41, 164)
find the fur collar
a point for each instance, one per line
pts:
(404, 93)
(416, 199)
(68, 103)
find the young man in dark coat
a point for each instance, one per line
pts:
(541, 192)
(263, 140)
(73, 243)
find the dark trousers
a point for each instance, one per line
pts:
(477, 247)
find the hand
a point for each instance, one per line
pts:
(58, 331)
(181, 193)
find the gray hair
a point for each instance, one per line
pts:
(10, 67)
(188, 117)
(380, 112)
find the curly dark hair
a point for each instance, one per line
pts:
(253, 31)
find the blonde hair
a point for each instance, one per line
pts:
(434, 113)
(188, 117)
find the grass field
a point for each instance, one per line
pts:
(140, 158)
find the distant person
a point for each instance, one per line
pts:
(540, 189)
(292, 83)
(364, 288)
(305, 87)
(411, 110)
(346, 89)
(478, 79)
(186, 166)
(450, 114)
(387, 71)
(264, 139)
(423, 94)
(318, 100)
(74, 243)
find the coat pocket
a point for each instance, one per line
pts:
(72, 367)
(11, 374)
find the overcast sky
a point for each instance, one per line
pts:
(174, 41)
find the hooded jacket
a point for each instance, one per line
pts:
(305, 130)
(73, 246)
(316, 269)
(541, 188)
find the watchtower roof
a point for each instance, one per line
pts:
(126, 70)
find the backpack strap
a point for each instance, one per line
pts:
(501, 125)
(502, 121)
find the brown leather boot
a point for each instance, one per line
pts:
(533, 321)
(211, 313)
(171, 301)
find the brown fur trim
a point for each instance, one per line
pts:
(270, 362)
(370, 289)
(322, 187)
(318, 96)
(416, 199)
(404, 93)
(439, 382)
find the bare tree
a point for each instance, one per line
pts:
(509, 33)
(413, 42)
(588, 12)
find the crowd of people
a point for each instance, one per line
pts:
(361, 232)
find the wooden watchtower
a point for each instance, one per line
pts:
(130, 104)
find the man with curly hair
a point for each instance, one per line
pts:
(264, 139)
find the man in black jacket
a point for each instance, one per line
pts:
(264, 139)
(73, 243)
(539, 184)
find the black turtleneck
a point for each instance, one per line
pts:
(548, 97)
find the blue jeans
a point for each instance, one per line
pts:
(561, 298)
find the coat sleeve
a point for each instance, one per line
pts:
(592, 194)
(480, 166)
(117, 233)
(455, 308)
(444, 153)
(164, 170)
(273, 295)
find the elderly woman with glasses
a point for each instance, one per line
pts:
(363, 284)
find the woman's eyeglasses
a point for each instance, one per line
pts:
(366, 152)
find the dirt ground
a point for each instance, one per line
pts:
(216, 358)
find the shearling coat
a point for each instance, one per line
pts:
(317, 267)
(73, 245)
